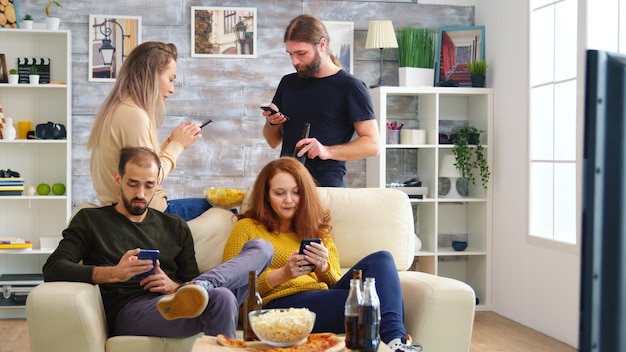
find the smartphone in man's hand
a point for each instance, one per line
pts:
(152, 254)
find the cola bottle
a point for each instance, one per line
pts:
(253, 302)
(351, 314)
(369, 318)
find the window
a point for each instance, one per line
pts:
(553, 120)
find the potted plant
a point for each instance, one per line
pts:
(478, 69)
(14, 77)
(33, 74)
(469, 154)
(27, 21)
(52, 22)
(416, 56)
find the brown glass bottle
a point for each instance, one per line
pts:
(252, 302)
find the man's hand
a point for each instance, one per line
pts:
(128, 266)
(312, 148)
(159, 282)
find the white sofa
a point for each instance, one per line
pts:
(439, 312)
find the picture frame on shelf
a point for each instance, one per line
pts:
(342, 42)
(223, 32)
(456, 48)
(111, 39)
(4, 78)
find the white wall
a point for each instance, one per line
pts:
(533, 285)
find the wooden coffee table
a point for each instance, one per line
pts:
(209, 344)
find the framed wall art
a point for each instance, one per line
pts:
(223, 32)
(4, 74)
(8, 14)
(457, 47)
(342, 42)
(111, 39)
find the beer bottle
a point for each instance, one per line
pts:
(358, 275)
(369, 318)
(351, 315)
(252, 302)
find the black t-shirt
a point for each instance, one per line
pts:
(331, 104)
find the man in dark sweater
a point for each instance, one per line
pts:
(175, 301)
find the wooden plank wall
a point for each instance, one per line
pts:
(229, 91)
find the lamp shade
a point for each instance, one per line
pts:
(447, 168)
(381, 35)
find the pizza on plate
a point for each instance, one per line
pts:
(326, 341)
(223, 340)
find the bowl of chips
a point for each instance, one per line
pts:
(282, 327)
(225, 197)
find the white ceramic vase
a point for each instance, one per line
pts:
(53, 23)
(8, 131)
(416, 77)
(27, 24)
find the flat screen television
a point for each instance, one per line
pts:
(602, 325)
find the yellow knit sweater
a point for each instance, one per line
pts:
(285, 244)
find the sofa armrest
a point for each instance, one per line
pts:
(438, 311)
(66, 317)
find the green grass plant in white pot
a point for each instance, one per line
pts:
(416, 56)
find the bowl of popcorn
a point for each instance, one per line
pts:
(225, 197)
(282, 327)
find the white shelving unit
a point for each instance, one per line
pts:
(37, 161)
(438, 219)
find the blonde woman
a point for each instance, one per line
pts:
(130, 116)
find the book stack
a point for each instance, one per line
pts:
(11, 186)
(14, 243)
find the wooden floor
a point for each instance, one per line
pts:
(492, 332)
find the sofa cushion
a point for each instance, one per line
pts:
(366, 220)
(210, 232)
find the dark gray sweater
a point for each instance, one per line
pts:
(100, 236)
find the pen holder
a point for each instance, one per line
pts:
(393, 136)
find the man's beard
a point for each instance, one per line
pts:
(309, 70)
(135, 210)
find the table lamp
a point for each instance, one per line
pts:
(381, 35)
(447, 169)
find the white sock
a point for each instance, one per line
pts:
(394, 342)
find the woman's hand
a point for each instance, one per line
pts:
(159, 281)
(186, 133)
(316, 254)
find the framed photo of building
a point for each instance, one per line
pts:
(342, 42)
(223, 32)
(457, 47)
(111, 39)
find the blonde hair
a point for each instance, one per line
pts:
(137, 80)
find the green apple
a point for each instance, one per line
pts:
(58, 189)
(43, 189)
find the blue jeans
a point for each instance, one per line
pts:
(140, 316)
(328, 305)
(187, 208)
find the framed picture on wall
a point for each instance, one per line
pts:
(223, 32)
(4, 74)
(9, 17)
(342, 42)
(457, 47)
(111, 39)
